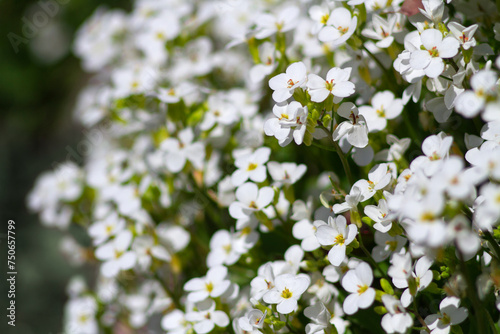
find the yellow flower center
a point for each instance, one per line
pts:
(339, 239)
(427, 217)
(252, 166)
(286, 294)
(434, 52)
(209, 286)
(325, 18)
(362, 289)
(329, 85)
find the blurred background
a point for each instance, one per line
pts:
(39, 82)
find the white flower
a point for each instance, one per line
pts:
(115, 254)
(306, 231)
(284, 84)
(381, 30)
(320, 316)
(251, 166)
(436, 48)
(427, 226)
(358, 281)
(253, 319)
(464, 35)
(102, 230)
(289, 124)
(379, 215)
(268, 24)
(397, 148)
(287, 292)
(355, 129)
(435, 148)
(178, 151)
(336, 83)
(433, 10)
(384, 106)
(214, 284)
(206, 317)
(397, 320)
(286, 172)
(400, 269)
(145, 248)
(264, 281)
(467, 241)
(224, 249)
(449, 314)
(386, 245)
(175, 322)
(351, 201)
(220, 111)
(338, 234)
(250, 199)
(80, 315)
(339, 27)
(267, 55)
(484, 87)
(422, 276)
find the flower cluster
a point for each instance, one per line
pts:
(274, 167)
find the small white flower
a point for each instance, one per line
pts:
(484, 87)
(289, 124)
(214, 284)
(178, 151)
(379, 214)
(338, 234)
(355, 129)
(430, 60)
(381, 30)
(251, 166)
(269, 24)
(287, 292)
(339, 27)
(250, 199)
(336, 83)
(358, 281)
(386, 245)
(286, 172)
(464, 35)
(115, 254)
(449, 314)
(207, 317)
(284, 84)
(397, 320)
(384, 106)
(253, 319)
(175, 322)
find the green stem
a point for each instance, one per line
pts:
(419, 317)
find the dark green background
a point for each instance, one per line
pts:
(36, 125)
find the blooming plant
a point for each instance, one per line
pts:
(285, 167)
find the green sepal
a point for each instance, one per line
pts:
(386, 286)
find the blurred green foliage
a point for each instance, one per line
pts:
(36, 125)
